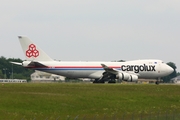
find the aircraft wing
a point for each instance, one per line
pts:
(115, 71)
(109, 70)
(111, 74)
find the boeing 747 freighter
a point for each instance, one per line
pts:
(129, 71)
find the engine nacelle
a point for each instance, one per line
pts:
(127, 77)
(123, 76)
(26, 63)
(133, 78)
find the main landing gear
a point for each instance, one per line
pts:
(111, 78)
(158, 81)
(103, 81)
(98, 81)
(112, 81)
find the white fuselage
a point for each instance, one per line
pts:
(129, 71)
(142, 68)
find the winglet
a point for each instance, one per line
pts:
(105, 67)
(108, 69)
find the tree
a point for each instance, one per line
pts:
(172, 75)
(121, 61)
(178, 73)
(118, 61)
(8, 70)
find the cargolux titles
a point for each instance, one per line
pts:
(137, 68)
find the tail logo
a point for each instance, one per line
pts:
(32, 51)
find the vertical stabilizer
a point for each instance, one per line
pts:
(32, 51)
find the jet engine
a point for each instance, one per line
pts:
(123, 76)
(133, 78)
(127, 77)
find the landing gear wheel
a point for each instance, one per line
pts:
(157, 82)
(98, 81)
(112, 81)
(101, 81)
(95, 81)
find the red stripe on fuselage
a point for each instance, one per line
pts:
(73, 67)
(84, 67)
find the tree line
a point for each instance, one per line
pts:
(10, 71)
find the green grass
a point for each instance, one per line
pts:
(60, 100)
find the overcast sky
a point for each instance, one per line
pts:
(93, 30)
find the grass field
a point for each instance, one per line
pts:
(66, 101)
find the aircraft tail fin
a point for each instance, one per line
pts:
(32, 51)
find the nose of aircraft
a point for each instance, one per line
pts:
(169, 69)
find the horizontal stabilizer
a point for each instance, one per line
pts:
(17, 63)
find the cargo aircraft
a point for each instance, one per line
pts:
(129, 71)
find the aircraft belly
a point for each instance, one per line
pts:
(72, 73)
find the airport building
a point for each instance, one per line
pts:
(39, 76)
(175, 80)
